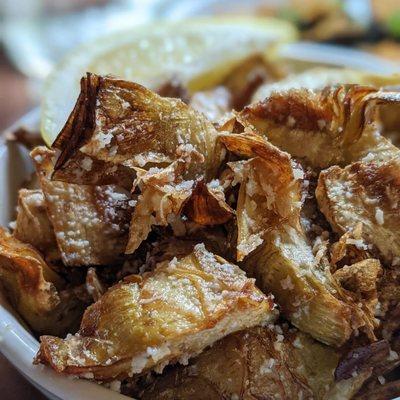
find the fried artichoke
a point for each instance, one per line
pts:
(166, 144)
(161, 317)
(146, 194)
(35, 290)
(257, 363)
(90, 222)
(366, 193)
(124, 124)
(339, 123)
(33, 225)
(278, 252)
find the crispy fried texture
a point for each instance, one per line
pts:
(163, 316)
(164, 191)
(389, 301)
(277, 249)
(90, 222)
(366, 193)
(33, 225)
(124, 124)
(94, 286)
(380, 360)
(336, 123)
(349, 249)
(253, 364)
(256, 197)
(31, 286)
(207, 205)
(361, 279)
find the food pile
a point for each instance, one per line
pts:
(175, 249)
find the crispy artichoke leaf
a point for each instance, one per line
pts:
(164, 316)
(90, 222)
(336, 123)
(33, 225)
(94, 286)
(124, 124)
(31, 286)
(268, 214)
(164, 192)
(207, 205)
(256, 202)
(361, 279)
(366, 193)
(268, 362)
(350, 248)
(307, 293)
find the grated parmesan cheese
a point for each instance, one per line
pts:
(266, 366)
(379, 216)
(381, 380)
(291, 122)
(287, 283)
(87, 164)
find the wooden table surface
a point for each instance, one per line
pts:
(15, 101)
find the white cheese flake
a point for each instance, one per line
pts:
(379, 216)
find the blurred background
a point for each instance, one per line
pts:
(35, 34)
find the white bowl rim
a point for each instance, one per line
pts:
(19, 346)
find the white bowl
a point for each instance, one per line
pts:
(16, 342)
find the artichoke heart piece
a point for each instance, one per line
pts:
(33, 225)
(124, 124)
(277, 250)
(365, 193)
(161, 317)
(256, 201)
(336, 123)
(90, 222)
(165, 142)
(261, 362)
(32, 288)
(163, 195)
(166, 192)
(207, 204)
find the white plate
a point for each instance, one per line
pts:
(16, 342)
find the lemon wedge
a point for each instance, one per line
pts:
(199, 52)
